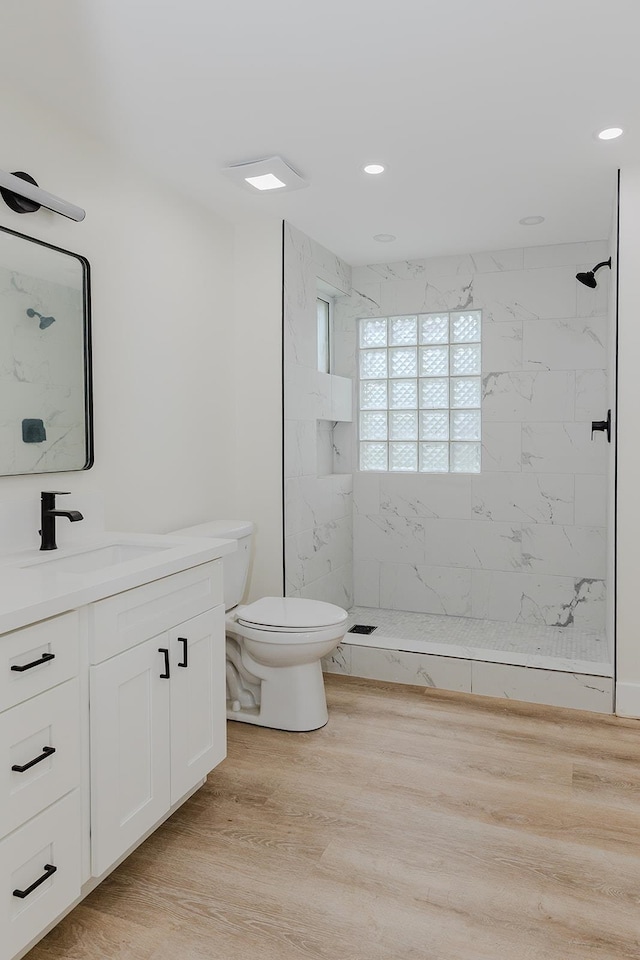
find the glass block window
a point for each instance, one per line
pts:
(420, 391)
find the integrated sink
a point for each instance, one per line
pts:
(39, 585)
(98, 558)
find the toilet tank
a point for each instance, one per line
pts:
(235, 566)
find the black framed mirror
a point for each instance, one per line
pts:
(46, 408)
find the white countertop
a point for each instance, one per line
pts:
(31, 589)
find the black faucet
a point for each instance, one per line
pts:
(48, 514)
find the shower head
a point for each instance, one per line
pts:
(44, 321)
(589, 278)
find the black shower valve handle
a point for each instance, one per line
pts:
(602, 425)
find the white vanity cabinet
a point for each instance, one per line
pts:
(158, 709)
(112, 712)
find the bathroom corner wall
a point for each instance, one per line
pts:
(628, 468)
(318, 505)
(612, 404)
(525, 539)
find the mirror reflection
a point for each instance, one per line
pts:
(45, 401)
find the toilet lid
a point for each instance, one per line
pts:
(291, 613)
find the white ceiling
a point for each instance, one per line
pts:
(484, 110)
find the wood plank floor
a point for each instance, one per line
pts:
(416, 824)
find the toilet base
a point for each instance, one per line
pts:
(242, 717)
(291, 698)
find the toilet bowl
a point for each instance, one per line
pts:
(274, 645)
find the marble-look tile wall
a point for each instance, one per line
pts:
(525, 539)
(318, 492)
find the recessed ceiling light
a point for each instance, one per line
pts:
(384, 237)
(272, 173)
(374, 168)
(266, 181)
(531, 221)
(610, 133)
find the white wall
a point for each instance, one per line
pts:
(162, 294)
(628, 512)
(612, 387)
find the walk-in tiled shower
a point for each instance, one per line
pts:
(466, 525)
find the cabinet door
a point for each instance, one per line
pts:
(198, 700)
(130, 736)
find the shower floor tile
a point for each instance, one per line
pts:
(566, 649)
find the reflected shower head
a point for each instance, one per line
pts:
(589, 278)
(44, 321)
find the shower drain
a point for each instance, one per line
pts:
(361, 628)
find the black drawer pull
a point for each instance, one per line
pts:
(34, 663)
(185, 656)
(167, 672)
(49, 871)
(21, 767)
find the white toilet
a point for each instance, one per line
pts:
(274, 645)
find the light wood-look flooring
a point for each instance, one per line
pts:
(416, 824)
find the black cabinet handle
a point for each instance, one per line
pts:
(167, 672)
(21, 767)
(185, 656)
(45, 658)
(49, 871)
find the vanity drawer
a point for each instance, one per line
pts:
(120, 622)
(46, 730)
(51, 840)
(37, 658)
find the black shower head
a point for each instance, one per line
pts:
(589, 278)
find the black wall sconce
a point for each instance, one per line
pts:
(22, 194)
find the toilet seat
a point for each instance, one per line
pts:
(290, 615)
(274, 635)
